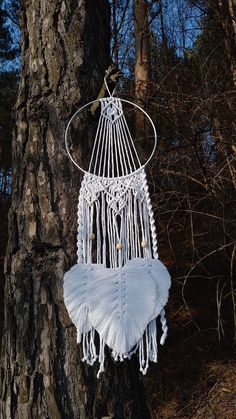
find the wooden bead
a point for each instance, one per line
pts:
(144, 243)
(91, 236)
(119, 246)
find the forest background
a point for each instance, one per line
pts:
(187, 81)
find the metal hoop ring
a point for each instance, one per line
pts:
(122, 100)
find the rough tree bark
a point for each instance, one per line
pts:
(41, 374)
(65, 51)
(224, 12)
(141, 10)
(227, 20)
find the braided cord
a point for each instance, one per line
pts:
(155, 250)
(151, 216)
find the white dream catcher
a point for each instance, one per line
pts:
(119, 286)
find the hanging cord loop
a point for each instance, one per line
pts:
(105, 81)
(111, 79)
(112, 75)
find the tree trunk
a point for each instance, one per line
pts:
(65, 51)
(226, 16)
(224, 11)
(141, 9)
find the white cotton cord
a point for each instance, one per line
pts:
(132, 142)
(95, 144)
(115, 355)
(114, 134)
(135, 221)
(104, 230)
(89, 348)
(155, 253)
(112, 151)
(129, 154)
(100, 151)
(127, 245)
(84, 345)
(146, 337)
(87, 252)
(100, 140)
(94, 168)
(111, 235)
(130, 234)
(126, 146)
(141, 356)
(113, 238)
(123, 149)
(153, 349)
(85, 231)
(110, 238)
(79, 337)
(164, 326)
(106, 149)
(141, 220)
(147, 231)
(121, 251)
(147, 346)
(136, 228)
(80, 229)
(90, 232)
(130, 228)
(109, 151)
(98, 232)
(105, 81)
(134, 350)
(93, 351)
(151, 217)
(120, 150)
(101, 357)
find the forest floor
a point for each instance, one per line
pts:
(196, 374)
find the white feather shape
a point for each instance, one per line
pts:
(119, 303)
(163, 282)
(75, 296)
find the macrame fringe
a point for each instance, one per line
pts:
(146, 348)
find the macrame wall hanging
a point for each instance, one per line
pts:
(119, 286)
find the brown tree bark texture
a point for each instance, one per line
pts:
(227, 19)
(141, 9)
(41, 374)
(65, 51)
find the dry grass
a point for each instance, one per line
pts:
(196, 374)
(213, 396)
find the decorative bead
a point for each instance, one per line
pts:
(119, 246)
(91, 236)
(144, 243)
